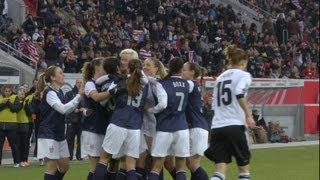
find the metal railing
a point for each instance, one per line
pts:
(16, 53)
(254, 7)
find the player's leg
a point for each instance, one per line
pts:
(63, 167)
(51, 169)
(131, 168)
(241, 151)
(160, 148)
(144, 154)
(181, 150)
(63, 161)
(170, 166)
(112, 143)
(198, 144)
(101, 167)
(218, 152)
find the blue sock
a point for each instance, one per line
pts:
(59, 175)
(199, 174)
(90, 175)
(132, 174)
(181, 175)
(141, 173)
(161, 175)
(153, 176)
(121, 174)
(173, 173)
(100, 172)
(110, 175)
(49, 176)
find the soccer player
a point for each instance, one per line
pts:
(126, 56)
(123, 132)
(231, 116)
(51, 135)
(155, 71)
(197, 123)
(95, 124)
(172, 133)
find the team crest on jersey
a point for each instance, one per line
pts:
(91, 146)
(51, 149)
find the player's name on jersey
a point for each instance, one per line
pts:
(178, 84)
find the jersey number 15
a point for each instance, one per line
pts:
(224, 94)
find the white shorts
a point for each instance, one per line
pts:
(143, 143)
(198, 141)
(91, 144)
(52, 149)
(149, 124)
(121, 141)
(171, 144)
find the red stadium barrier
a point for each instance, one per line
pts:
(311, 119)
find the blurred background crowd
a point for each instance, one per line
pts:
(70, 32)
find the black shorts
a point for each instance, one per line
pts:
(227, 142)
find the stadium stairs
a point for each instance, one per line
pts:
(12, 58)
(248, 15)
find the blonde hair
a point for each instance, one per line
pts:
(161, 69)
(132, 53)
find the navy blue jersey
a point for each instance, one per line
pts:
(98, 120)
(110, 105)
(194, 114)
(52, 124)
(128, 112)
(173, 117)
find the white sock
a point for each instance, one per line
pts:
(218, 176)
(244, 176)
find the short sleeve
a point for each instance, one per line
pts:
(52, 98)
(243, 84)
(90, 86)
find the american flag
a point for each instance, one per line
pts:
(297, 4)
(192, 56)
(26, 46)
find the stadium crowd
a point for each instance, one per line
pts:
(75, 36)
(69, 33)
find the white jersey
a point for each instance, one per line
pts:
(228, 87)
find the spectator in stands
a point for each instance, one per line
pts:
(257, 117)
(29, 25)
(52, 52)
(113, 26)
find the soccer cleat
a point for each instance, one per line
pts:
(41, 162)
(16, 165)
(25, 164)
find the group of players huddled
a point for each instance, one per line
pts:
(141, 117)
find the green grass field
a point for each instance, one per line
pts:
(296, 163)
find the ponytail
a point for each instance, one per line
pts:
(133, 83)
(88, 68)
(44, 80)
